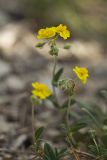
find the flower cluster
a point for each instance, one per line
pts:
(82, 73)
(50, 32)
(40, 90)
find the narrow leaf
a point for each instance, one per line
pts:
(49, 153)
(57, 76)
(77, 126)
(38, 133)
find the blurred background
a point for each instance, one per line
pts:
(21, 63)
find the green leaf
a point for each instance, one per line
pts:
(93, 110)
(38, 133)
(57, 76)
(67, 46)
(77, 126)
(104, 139)
(56, 152)
(62, 153)
(105, 121)
(93, 118)
(53, 100)
(48, 152)
(102, 154)
(59, 153)
(40, 44)
(93, 150)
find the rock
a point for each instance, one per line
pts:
(4, 18)
(14, 6)
(5, 68)
(52, 133)
(90, 51)
(5, 126)
(3, 139)
(19, 142)
(15, 83)
(45, 115)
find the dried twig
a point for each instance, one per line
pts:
(82, 154)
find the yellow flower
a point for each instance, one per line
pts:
(46, 33)
(41, 90)
(82, 73)
(50, 32)
(63, 31)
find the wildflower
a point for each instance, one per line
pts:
(40, 90)
(46, 33)
(82, 74)
(63, 31)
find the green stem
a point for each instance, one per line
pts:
(67, 112)
(69, 135)
(33, 124)
(54, 68)
(53, 40)
(53, 73)
(96, 145)
(95, 142)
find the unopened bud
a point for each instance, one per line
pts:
(67, 85)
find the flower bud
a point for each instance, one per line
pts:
(67, 85)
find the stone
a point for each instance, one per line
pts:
(15, 83)
(5, 68)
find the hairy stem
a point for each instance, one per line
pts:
(69, 134)
(53, 73)
(33, 123)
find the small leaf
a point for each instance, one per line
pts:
(53, 100)
(48, 152)
(57, 76)
(67, 46)
(40, 44)
(38, 133)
